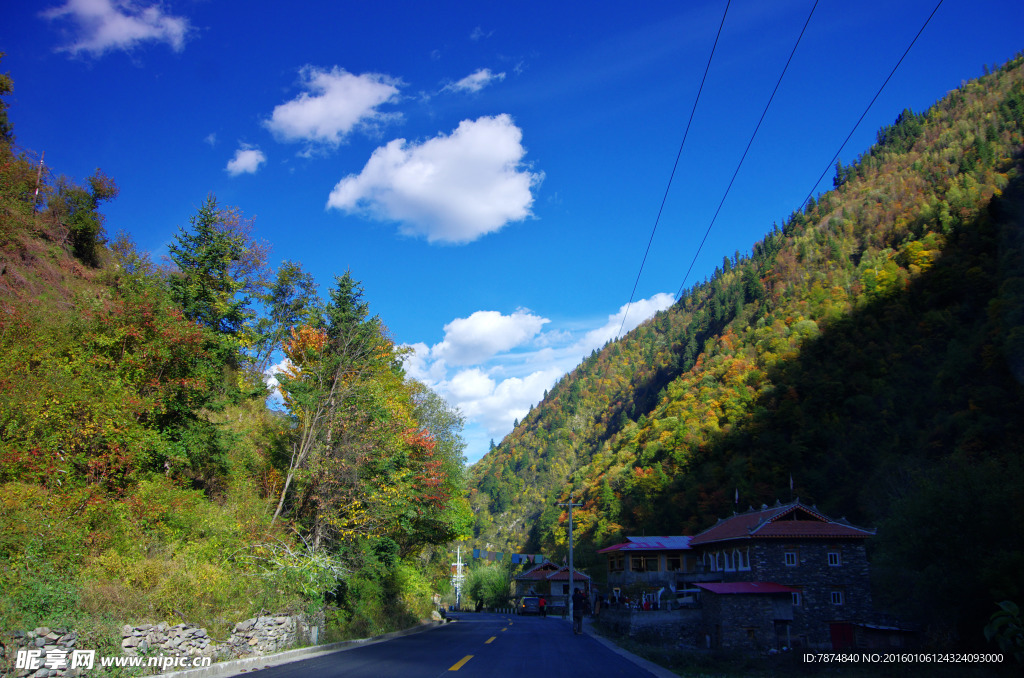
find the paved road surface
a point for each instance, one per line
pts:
(473, 646)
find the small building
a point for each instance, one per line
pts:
(551, 581)
(650, 563)
(753, 615)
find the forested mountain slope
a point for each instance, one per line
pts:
(871, 349)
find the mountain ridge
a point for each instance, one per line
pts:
(869, 349)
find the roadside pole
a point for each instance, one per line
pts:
(572, 575)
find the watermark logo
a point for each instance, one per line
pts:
(33, 660)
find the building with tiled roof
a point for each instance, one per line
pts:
(549, 580)
(786, 575)
(649, 562)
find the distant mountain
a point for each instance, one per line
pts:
(870, 352)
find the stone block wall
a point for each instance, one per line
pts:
(252, 637)
(667, 626)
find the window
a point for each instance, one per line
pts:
(673, 563)
(791, 559)
(796, 599)
(836, 597)
(645, 563)
(835, 559)
(729, 567)
(742, 558)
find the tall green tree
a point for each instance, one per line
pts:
(220, 270)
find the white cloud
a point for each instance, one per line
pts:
(474, 82)
(247, 160)
(472, 340)
(493, 367)
(453, 188)
(211, 139)
(102, 25)
(274, 399)
(638, 312)
(335, 103)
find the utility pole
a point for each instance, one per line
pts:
(457, 577)
(572, 575)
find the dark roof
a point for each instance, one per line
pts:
(563, 575)
(794, 520)
(538, 572)
(747, 587)
(650, 544)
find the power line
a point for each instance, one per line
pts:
(747, 150)
(674, 166)
(872, 103)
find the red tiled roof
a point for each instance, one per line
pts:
(650, 544)
(788, 520)
(747, 587)
(563, 575)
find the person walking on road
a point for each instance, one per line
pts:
(578, 601)
(543, 606)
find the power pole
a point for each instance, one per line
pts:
(457, 578)
(572, 576)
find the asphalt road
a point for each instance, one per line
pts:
(474, 645)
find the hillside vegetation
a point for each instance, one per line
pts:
(871, 349)
(142, 476)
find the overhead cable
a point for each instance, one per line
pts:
(749, 143)
(872, 103)
(674, 166)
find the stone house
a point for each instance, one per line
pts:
(787, 575)
(820, 561)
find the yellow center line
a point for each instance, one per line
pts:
(490, 640)
(504, 629)
(460, 663)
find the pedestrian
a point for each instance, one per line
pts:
(578, 602)
(543, 606)
(597, 605)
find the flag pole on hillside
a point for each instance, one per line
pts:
(572, 576)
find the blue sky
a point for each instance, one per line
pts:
(491, 172)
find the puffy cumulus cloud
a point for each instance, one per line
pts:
(419, 366)
(335, 103)
(274, 399)
(453, 188)
(495, 405)
(102, 25)
(493, 367)
(474, 82)
(635, 313)
(484, 334)
(247, 160)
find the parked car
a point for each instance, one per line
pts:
(528, 605)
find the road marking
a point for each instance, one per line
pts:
(461, 662)
(504, 629)
(490, 640)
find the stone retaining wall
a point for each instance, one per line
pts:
(671, 626)
(253, 637)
